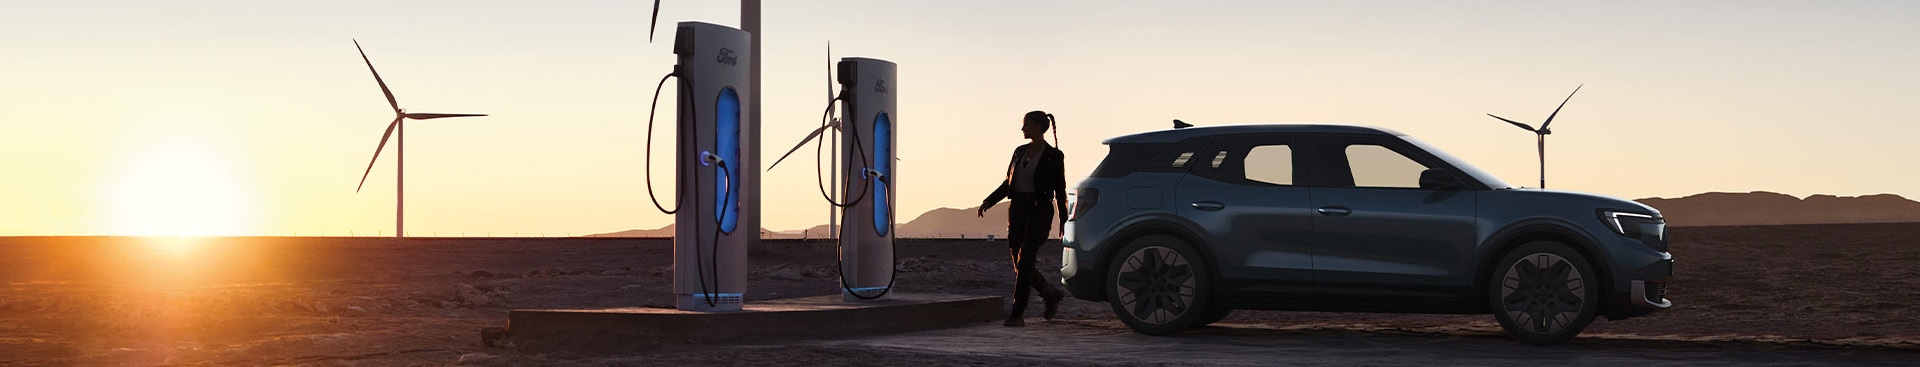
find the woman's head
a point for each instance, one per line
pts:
(1036, 124)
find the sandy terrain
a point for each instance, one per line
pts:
(1840, 294)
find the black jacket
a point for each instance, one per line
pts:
(1050, 176)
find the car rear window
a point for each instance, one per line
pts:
(1124, 159)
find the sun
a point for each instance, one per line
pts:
(177, 188)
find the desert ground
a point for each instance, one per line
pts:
(1800, 294)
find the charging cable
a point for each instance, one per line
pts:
(685, 138)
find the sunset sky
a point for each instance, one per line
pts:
(258, 117)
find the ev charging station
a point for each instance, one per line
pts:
(866, 237)
(716, 209)
(716, 167)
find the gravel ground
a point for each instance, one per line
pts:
(1809, 294)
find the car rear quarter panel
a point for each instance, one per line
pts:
(1128, 207)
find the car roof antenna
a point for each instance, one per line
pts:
(1177, 124)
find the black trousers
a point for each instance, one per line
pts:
(1029, 221)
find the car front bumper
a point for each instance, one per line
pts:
(1646, 290)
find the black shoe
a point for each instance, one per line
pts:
(1015, 321)
(1053, 304)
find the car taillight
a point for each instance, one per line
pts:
(1084, 199)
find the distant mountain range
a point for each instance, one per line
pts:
(1707, 209)
(1768, 208)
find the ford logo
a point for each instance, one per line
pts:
(727, 57)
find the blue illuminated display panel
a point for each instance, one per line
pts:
(882, 163)
(727, 144)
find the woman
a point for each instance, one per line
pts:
(1036, 181)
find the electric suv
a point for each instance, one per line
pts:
(1177, 228)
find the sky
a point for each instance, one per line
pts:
(203, 117)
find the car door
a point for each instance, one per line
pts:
(1242, 192)
(1376, 233)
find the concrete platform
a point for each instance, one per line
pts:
(613, 328)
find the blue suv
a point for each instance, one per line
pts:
(1177, 228)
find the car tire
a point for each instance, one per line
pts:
(1214, 314)
(1158, 285)
(1543, 293)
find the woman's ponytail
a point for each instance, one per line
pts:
(1056, 130)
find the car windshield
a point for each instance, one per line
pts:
(1483, 176)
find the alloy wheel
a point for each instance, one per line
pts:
(1156, 284)
(1543, 292)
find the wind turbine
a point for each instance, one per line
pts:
(400, 150)
(829, 122)
(1541, 133)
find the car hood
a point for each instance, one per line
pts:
(1598, 201)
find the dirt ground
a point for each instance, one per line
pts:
(1770, 294)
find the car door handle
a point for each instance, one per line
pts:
(1334, 211)
(1209, 205)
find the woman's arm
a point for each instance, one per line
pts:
(1000, 193)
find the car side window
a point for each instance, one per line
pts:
(1377, 166)
(1271, 164)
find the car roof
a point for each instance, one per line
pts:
(1175, 135)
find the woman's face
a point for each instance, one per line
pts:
(1033, 130)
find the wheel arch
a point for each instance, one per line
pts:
(1521, 233)
(1173, 227)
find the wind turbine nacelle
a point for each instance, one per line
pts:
(871, 138)
(717, 167)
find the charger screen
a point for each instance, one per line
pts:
(883, 163)
(727, 146)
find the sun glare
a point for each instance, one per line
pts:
(177, 189)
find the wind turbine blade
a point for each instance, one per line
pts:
(1523, 126)
(796, 147)
(829, 71)
(656, 21)
(426, 116)
(1556, 110)
(376, 154)
(376, 77)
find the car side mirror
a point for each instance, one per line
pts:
(1439, 179)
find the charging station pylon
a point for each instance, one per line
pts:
(871, 143)
(717, 167)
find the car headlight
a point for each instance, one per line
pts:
(1626, 223)
(1647, 228)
